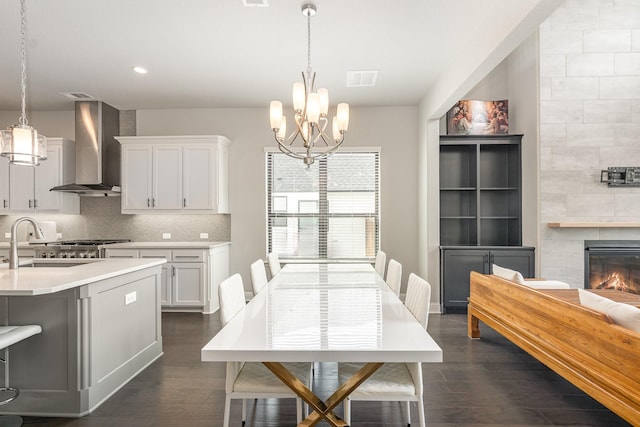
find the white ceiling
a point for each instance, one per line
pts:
(218, 53)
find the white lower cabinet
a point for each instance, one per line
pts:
(190, 278)
(187, 281)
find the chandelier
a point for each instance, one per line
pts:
(21, 143)
(310, 114)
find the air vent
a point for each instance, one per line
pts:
(77, 96)
(255, 3)
(362, 78)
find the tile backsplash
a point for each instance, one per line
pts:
(100, 218)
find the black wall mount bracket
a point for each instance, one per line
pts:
(621, 176)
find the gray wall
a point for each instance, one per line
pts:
(589, 120)
(394, 129)
(515, 79)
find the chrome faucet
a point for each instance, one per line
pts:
(13, 244)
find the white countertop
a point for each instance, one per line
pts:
(167, 244)
(27, 280)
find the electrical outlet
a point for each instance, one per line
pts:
(166, 235)
(7, 235)
(204, 235)
(130, 297)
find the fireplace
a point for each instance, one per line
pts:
(612, 264)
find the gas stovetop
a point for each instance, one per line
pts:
(81, 248)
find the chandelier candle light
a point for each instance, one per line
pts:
(21, 143)
(310, 114)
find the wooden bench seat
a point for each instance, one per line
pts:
(583, 346)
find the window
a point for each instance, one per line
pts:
(330, 210)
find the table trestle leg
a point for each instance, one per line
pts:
(322, 410)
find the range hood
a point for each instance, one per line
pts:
(97, 151)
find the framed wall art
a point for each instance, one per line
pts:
(468, 117)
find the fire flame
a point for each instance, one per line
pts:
(614, 281)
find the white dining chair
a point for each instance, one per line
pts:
(252, 380)
(381, 263)
(394, 276)
(258, 276)
(274, 264)
(395, 381)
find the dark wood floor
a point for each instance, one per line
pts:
(487, 382)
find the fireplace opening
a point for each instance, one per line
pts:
(612, 264)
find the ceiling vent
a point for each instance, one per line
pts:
(362, 78)
(255, 3)
(77, 96)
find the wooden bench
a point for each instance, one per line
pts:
(583, 346)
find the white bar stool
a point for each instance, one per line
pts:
(10, 335)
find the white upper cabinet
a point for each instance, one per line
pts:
(4, 185)
(167, 177)
(136, 170)
(174, 174)
(200, 165)
(29, 186)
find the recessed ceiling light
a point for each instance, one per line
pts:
(140, 70)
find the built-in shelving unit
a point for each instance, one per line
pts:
(480, 190)
(480, 212)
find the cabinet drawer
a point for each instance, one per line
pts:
(121, 253)
(156, 253)
(188, 255)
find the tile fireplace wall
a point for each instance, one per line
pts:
(589, 120)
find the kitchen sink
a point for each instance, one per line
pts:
(38, 263)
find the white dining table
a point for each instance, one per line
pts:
(324, 313)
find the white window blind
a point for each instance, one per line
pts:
(330, 210)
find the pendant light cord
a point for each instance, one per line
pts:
(308, 43)
(23, 75)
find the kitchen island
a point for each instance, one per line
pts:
(101, 326)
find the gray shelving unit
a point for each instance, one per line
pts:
(480, 211)
(480, 190)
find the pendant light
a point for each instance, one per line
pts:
(21, 143)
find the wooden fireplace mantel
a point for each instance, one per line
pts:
(593, 224)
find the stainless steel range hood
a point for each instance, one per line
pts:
(97, 152)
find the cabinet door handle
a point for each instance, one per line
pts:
(153, 202)
(184, 203)
(4, 203)
(35, 203)
(173, 271)
(148, 203)
(187, 256)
